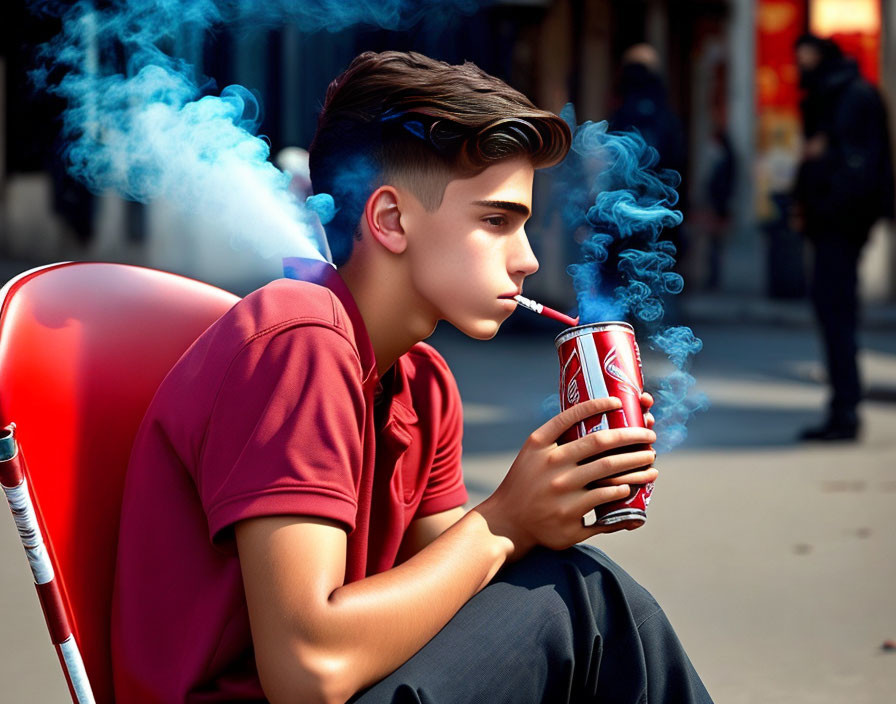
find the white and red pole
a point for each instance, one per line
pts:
(15, 486)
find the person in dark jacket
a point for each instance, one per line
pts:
(844, 185)
(644, 108)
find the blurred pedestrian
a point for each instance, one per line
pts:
(644, 107)
(785, 254)
(718, 191)
(294, 161)
(844, 184)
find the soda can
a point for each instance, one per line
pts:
(599, 360)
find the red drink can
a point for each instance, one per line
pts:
(596, 361)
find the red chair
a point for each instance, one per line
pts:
(83, 348)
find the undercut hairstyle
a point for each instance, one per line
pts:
(407, 120)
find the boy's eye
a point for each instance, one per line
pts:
(496, 220)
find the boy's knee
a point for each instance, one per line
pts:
(584, 577)
(640, 601)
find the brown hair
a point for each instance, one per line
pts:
(407, 119)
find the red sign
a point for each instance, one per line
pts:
(778, 23)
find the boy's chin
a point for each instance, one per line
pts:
(479, 329)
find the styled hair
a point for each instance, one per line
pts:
(405, 119)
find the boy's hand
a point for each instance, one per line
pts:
(546, 492)
(647, 404)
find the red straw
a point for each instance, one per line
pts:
(557, 315)
(542, 309)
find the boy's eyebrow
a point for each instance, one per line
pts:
(504, 205)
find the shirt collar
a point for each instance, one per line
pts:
(402, 399)
(325, 274)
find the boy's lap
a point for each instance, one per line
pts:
(511, 637)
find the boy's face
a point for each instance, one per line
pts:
(469, 257)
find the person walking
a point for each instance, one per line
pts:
(844, 185)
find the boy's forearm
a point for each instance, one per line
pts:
(345, 638)
(378, 623)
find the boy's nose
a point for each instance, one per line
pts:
(524, 260)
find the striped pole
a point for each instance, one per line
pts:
(15, 486)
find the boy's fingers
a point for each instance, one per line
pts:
(646, 404)
(615, 527)
(602, 495)
(641, 476)
(607, 467)
(548, 433)
(602, 441)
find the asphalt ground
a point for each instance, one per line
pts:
(773, 559)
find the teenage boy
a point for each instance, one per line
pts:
(292, 528)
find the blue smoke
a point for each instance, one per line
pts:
(147, 132)
(617, 204)
(676, 397)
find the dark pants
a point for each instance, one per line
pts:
(836, 301)
(555, 627)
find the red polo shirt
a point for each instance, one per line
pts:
(270, 412)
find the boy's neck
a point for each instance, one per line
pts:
(382, 296)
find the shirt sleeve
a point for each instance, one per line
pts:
(285, 431)
(445, 488)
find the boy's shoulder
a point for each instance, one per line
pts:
(285, 303)
(304, 318)
(283, 306)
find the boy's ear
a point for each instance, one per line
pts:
(383, 217)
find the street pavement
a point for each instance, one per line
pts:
(774, 560)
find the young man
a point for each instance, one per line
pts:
(844, 184)
(292, 528)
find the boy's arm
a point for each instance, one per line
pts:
(423, 531)
(318, 639)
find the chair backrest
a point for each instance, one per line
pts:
(83, 348)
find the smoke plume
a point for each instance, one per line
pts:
(617, 204)
(140, 121)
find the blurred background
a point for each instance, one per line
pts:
(727, 77)
(774, 559)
